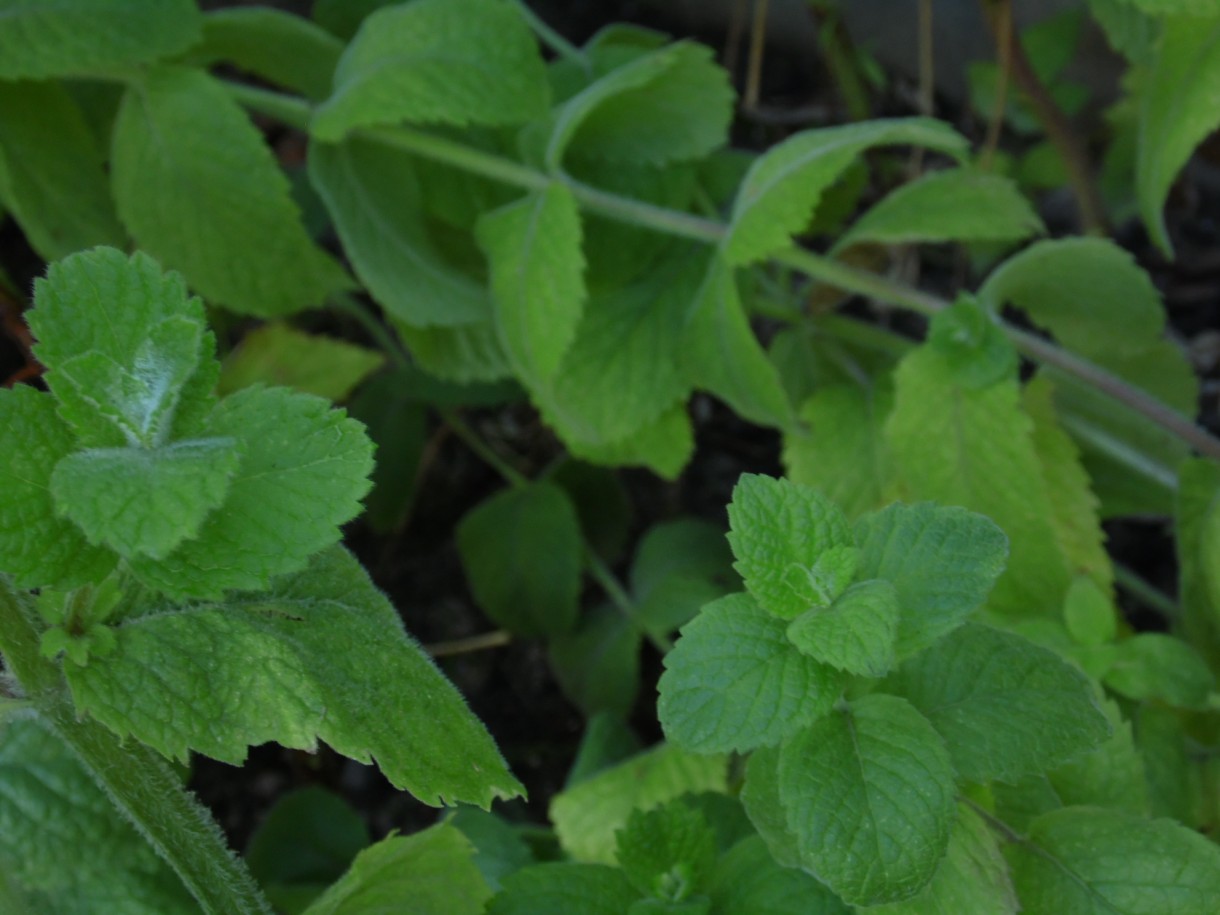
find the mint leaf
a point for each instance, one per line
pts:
(309, 837)
(433, 868)
(942, 561)
(464, 354)
(499, 848)
(747, 879)
(680, 566)
(663, 445)
(1175, 7)
(972, 344)
(784, 185)
(794, 549)
(242, 244)
(952, 205)
(564, 888)
(279, 354)
(37, 547)
(80, 37)
(1197, 518)
(1110, 775)
(1004, 706)
(144, 501)
(52, 178)
(533, 248)
(760, 796)
(320, 656)
(598, 664)
(490, 71)
(1089, 614)
(856, 633)
(373, 194)
(304, 468)
(870, 797)
(1095, 862)
(1151, 665)
(734, 682)
(522, 553)
(668, 853)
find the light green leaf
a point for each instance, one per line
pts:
(1151, 665)
(1090, 861)
(434, 869)
(721, 354)
(734, 682)
(1089, 613)
(320, 656)
(279, 354)
(37, 547)
(972, 345)
(951, 205)
(1177, 110)
(563, 889)
(856, 633)
(1171, 769)
(942, 561)
(436, 61)
(52, 178)
(587, 815)
(663, 445)
(1110, 775)
(1176, 7)
(668, 853)
(242, 244)
(1129, 30)
(304, 469)
(747, 879)
(533, 249)
(144, 501)
(522, 553)
(870, 797)
(1197, 532)
(784, 185)
(464, 354)
(794, 549)
(1004, 706)
(80, 37)
(598, 664)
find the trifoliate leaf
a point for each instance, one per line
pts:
(490, 72)
(533, 248)
(794, 549)
(784, 185)
(856, 633)
(952, 205)
(373, 194)
(37, 546)
(1152, 665)
(587, 815)
(563, 888)
(434, 869)
(279, 354)
(303, 471)
(242, 244)
(144, 501)
(1090, 861)
(734, 682)
(1004, 706)
(942, 561)
(320, 656)
(52, 178)
(668, 853)
(522, 553)
(598, 664)
(747, 879)
(81, 37)
(870, 797)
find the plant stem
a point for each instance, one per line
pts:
(1151, 597)
(463, 431)
(1007, 832)
(622, 600)
(552, 39)
(758, 43)
(348, 305)
(495, 639)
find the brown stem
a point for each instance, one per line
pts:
(758, 43)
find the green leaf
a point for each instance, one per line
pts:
(279, 354)
(972, 345)
(304, 469)
(142, 501)
(1197, 520)
(433, 868)
(763, 805)
(663, 445)
(437, 61)
(533, 249)
(1089, 613)
(1128, 29)
(588, 814)
(522, 553)
(942, 561)
(1151, 665)
(794, 549)
(952, 205)
(1110, 775)
(464, 355)
(320, 656)
(721, 354)
(37, 547)
(1177, 109)
(734, 682)
(80, 37)
(242, 244)
(564, 888)
(1090, 861)
(747, 879)
(669, 852)
(680, 566)
(870, 797)
(1004, 706)
(783, 186)
(856, 633)
(52, 178)
(499, 848)
(309, 837)
(598, 664)
(1171, 769)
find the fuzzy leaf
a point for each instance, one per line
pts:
(942, 561)
(1004, 706)
(533, 248)
(747, 879)
(794, 549)
(784, 185)
(669, 852)
(490, 71)
(321, 655)
(760, 796)
(242, 244)
(856, 633)
(80, 37)
(870, 797)
(279, 354)
(1112, 774)
(734, 682)
(563, 888)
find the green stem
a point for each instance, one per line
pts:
(552, 39)
(622, 600)
(389, 344)
(1145, 593)
(472, 440)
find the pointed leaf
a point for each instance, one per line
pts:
(563, 888)
(663, 445)
(1152, 665)
(598, 664)
(760, 796)
(747, 879)
(669, 852)
(856, 633)
(279, 354)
